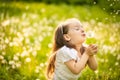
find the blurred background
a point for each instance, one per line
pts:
(26, 35)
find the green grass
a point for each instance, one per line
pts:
(26, 34)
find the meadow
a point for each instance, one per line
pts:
(26, 35)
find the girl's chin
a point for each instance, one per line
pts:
(83, 40)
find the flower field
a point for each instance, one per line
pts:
(26, 35)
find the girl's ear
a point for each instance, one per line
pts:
(67, 37)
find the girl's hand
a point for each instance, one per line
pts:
(91, 49)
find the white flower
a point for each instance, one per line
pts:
(37, 79)
(37, 70)
(4, 61)
(1, 57)
(118, 57)
(110, 69)
(11, 62)
(40, 38)
(24, 53)
(3, 53)
(5, 23)
(11, 44)
(28, 59)
(41, 65)
(43, 10)
(13, 66)
(116, 63)
(34, 53)
(6, 40)
(50, 45)
(15, 58)
(18, 65)
(96, 71)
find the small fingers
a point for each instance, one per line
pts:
(94, 46)
(95, 51)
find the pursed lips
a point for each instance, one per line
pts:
(83, 34)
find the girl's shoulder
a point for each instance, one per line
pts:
(67, 51)
(65, 54)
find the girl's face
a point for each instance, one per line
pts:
(76, 34)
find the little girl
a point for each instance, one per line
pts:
(69, 57)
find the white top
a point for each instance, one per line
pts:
(62, 72)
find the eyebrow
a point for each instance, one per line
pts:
(79, 26)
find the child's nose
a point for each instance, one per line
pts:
(82, 31)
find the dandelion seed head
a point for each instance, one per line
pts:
(18, 64)
(4, 61)
(15, 58)
(90, 34)
(34, 53)
(1, 57)
(50, 45)
(96, 71)
(11, 62)
(28, 59)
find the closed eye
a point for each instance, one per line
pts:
(77, 29)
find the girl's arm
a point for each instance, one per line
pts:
(92, 63)
(77, 67)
